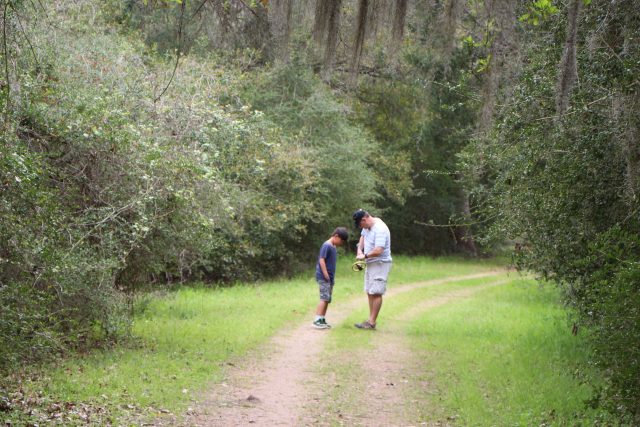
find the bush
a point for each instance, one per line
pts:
(109, 187)
(340, 154)
(566, 188)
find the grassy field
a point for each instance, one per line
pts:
(505, 357)
(184, 338)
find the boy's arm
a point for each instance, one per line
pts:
(323, 268)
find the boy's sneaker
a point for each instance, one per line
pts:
(321, 324)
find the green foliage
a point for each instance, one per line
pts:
(190, 26)
(565, 189)
(422, 123)
(108, 187)
(42, 286)
(539, 10)
(610, 301)
(391, 111)
(339, 156)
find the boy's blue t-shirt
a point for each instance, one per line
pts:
(330, 255)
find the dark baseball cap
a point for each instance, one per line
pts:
(358, 215)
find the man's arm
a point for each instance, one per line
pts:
(380, 241)
(377, 251)
(360, 248)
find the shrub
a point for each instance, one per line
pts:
(108, 186)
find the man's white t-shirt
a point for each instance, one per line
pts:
(378, 235)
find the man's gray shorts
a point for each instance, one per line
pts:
(375, 277)
(326, 289)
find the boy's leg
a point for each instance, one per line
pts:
(326, 289)
(321, 310)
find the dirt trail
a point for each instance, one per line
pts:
(269, 388)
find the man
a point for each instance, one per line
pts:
(374, 248)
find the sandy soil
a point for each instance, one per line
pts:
(278, 385)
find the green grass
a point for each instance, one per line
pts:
(183, 339)
(504, 357)
(345, 336)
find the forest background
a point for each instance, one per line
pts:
(149, 143)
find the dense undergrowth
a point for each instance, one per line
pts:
(110, 183)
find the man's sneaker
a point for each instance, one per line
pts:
(321, 324)
(365, 325)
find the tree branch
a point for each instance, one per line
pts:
(248, 8)
(199, 8)
(24, 33)
(178, 51)
(6, 64)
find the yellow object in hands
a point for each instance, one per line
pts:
(358, 265)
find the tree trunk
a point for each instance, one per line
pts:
(568, 73)
(624, 110)
(358, 44)
(503, 12)
(375, 14)
(399, 18)
(321, 21)
(397, 30)
(463, 234)
(279, 14)
(333, 26)
(448, 26)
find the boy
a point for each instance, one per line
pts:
(325, 273)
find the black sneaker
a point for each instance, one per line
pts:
(321, 324)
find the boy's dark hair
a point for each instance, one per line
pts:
(342, 233)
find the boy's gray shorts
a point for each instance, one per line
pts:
(375, 277)
(326, 289)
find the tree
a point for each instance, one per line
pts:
(280, 27)
(326, 31)
(568, 70)
(559, 175)
(397, 30)
(359, 38)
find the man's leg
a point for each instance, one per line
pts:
(375, 303)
